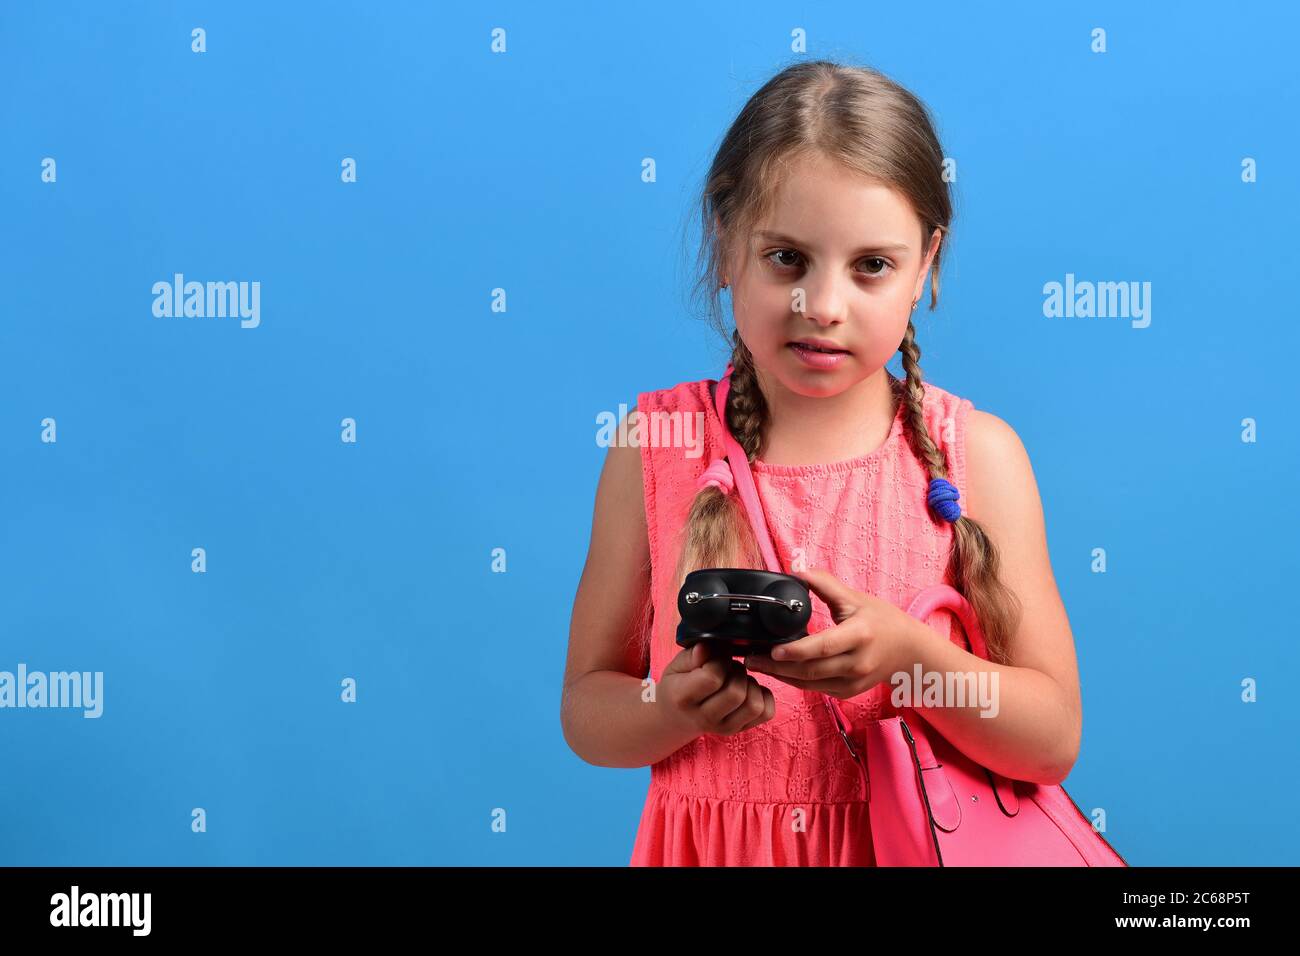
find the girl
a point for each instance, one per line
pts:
(824, 212)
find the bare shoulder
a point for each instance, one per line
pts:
(622, 484)
(1000, 483)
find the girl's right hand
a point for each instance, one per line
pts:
(714, 693)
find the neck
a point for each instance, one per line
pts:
(805, 431)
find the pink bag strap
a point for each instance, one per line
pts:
(748, 492)
(744, 478)
(946, 597)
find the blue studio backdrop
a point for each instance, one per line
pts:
(271, 533)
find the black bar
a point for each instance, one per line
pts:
(445, 905)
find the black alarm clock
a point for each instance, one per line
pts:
(743, 610)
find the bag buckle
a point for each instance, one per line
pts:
(839, 725)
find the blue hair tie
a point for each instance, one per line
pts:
(943, 499)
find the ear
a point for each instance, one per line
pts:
(725, 266)
(935, 239)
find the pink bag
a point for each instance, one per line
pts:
(930, 804)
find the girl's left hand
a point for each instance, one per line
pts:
(870, 641)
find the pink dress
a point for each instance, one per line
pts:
(787, 792)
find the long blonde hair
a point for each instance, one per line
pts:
(870, 124)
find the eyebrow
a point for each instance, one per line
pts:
(879, 247)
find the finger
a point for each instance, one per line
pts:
(769, 709)
(687, 659)
(750, 707)
(825, 643)
(707, 679)
(719, 669)
(719, 705)
(836, 687)
(839, 597)
(818, 668)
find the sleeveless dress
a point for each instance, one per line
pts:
(787, 792)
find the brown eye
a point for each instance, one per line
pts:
(783, 252)
(882, 267)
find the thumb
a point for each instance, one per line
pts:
(699, 655)
(839, 597)
(689, 658)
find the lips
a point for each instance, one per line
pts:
(818, 355)
(819, 345)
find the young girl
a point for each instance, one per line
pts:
(824, 212)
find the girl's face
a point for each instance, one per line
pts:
(836, 265)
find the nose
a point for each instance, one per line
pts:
(825, 298)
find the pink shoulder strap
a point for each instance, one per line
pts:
(748, 492)
(743, 477)
(923, 604)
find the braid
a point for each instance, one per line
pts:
(717, 533)
(746, 406)
(913, 396)
(974, 562)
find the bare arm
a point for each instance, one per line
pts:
(605, 719)
(1036, 733)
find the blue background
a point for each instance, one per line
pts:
(476, 429)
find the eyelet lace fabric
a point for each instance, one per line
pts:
(787, 793)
